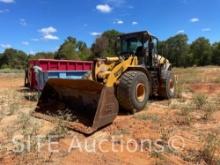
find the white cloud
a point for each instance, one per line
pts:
(180, 32)
(48, 33)
(7, 1)
(134, 23)
(48, 30)
(5, 46)
(23, 22)
(194, 20)
(26, 43)
(104, 8)
(4, 11)
(206, 29)
(95, 33)
(51, 37)
(118, 21)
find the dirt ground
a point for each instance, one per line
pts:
(184, 130)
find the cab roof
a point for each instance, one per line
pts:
(139, 34)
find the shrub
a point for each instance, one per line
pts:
(144, 116)
(27, 125)
(200, 101)
(209, 149)
(4, 66)
(208, 110)
(164, 134)
(186, 109)
(60, 129)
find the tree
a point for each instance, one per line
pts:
(83, 51)
(176, 50)
(13, 58)
(201, 51)
(1, 55)
(99, 48)
(73, 49)
(68, 49)
(111, 36)
(216, 53)
(162, 48)
(105, 45)
(42, 55)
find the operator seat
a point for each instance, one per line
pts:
(140, 55)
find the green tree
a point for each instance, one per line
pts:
(111, 36)
(105, 45)
(201, 51)
(176, 50)
(99, 48)
(163, 49)
(13, 58)
(216, 53)
(42, 55)
(73, 49)
(68, 49)
(1, 55)
(83, 51)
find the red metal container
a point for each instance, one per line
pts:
(54, 65)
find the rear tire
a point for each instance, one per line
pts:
(133, 91)
(169, 85)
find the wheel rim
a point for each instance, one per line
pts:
(140, 92)
(171, 85)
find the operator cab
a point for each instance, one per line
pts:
(141, 44)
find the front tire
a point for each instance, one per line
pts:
(133, 91)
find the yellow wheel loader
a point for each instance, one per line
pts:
(126, 81)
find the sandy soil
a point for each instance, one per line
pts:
(163, 133)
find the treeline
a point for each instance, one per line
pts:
(181, 54)
(177, 49)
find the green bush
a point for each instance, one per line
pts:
(200, 101)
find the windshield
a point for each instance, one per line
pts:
(130, 45)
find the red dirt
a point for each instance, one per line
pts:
(207, 88)
(8, 82)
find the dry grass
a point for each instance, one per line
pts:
(122, 131)
(209, 149)
(189, 115)
(200, 100)
(207, 153)
(145, 116)
(194, 75)
(60, 130)
(28, 125)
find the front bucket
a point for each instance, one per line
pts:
(83, 105)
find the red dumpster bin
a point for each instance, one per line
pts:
(55, 66)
